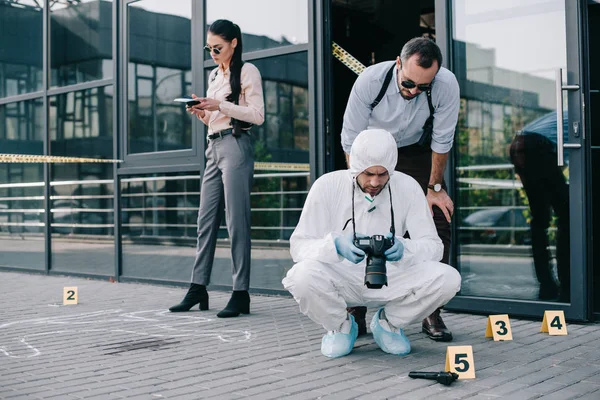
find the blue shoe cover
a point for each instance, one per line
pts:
(338, 344)
(390, 342)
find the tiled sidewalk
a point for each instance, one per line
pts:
(121, 342)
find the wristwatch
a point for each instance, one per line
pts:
(436, 188)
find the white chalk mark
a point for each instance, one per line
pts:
(154, 323)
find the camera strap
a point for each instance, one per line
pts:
(393, 225)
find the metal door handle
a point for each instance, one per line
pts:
(559, 119)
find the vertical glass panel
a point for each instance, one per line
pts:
(264, 23)
(283, 137)
(80, 41)
(159, 227)
(159, 71)
(512, 199)
(22, 187)
(21, 46)
(82, 206)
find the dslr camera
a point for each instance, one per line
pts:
(375, 247)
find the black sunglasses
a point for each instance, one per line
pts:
(213, 49)
(412, 85)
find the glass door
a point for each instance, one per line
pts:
(518, 186)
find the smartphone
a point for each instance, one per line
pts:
(188, 101)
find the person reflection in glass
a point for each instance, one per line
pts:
(533, 153)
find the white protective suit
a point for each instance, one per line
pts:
(324, 283)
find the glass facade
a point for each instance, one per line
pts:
(105, 91)
(22, 186)
(158, 71)
(159, 225)
(82, 194)
(80, 41)
(265, 24)
(21, 27)
(507, 230)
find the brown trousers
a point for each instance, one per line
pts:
(415, 161)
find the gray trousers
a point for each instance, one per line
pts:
(227, 181)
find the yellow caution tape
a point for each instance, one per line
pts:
(347, 59)
(30, 158)
(270, 166)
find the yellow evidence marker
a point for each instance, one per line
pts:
(70, 295)
(459, 359)
(498, 327)
(554, 322)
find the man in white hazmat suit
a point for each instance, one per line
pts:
(330, 270)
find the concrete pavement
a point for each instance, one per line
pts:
(121, 342)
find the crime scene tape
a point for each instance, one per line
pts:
(30, 158)
(347, 59)
(269, 166)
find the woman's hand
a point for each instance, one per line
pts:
(209, 104)
(197, 109)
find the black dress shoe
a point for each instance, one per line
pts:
(239, 303)
(435, 328)
(196, 294)
(360, 317)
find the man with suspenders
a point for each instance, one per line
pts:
(387, 96)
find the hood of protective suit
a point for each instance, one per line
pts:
(373, 147)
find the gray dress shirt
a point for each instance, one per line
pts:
(404, 119)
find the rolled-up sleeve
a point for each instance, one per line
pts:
(445, 117)
(254, 109)
(424, 243)
(358, 110)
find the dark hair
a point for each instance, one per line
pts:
(426, 50)
(229, 31)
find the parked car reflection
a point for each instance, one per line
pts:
(498, 225)
(75, 217)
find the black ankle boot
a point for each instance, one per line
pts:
(196, 294)
(239, 303)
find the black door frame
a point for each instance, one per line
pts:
(579, 309)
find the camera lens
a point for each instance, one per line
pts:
(376, 273)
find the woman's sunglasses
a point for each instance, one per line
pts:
(213, 49)
(412, 85)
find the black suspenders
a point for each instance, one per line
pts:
(425, 139)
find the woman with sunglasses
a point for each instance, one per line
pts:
(233, 103)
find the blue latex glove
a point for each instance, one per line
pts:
(395, 252)
(346, 248)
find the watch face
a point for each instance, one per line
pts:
(437, 187)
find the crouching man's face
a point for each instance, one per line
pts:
(372, 180)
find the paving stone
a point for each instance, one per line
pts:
(122, 343)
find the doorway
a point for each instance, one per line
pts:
(371, 32)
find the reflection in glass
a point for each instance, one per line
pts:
(159, 225)
(510, 244)
(20, 47)
(80, 41)
(265, 24)
(82, 206)
(284, 135)
(159, 214)
(22, 187)
(282, 138)
(159, 71)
